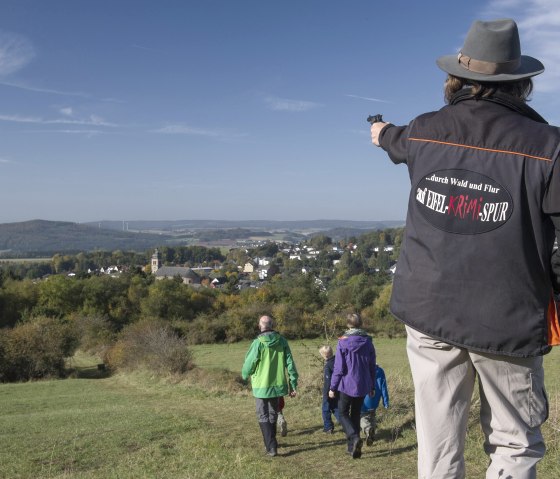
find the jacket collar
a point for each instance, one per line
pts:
(501, 99)
(266, 331)
(355, 332)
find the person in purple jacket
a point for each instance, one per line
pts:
(353, 377)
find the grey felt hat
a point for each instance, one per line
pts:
(491, 53)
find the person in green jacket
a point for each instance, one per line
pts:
(268, 358)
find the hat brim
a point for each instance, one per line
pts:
(529, 68)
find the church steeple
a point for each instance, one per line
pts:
(156, 261)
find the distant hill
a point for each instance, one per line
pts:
(50, 237)
(61, 237)
(337, 234)
(182, 226)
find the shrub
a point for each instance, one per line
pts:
(96, 333)
(382, 321)
(17, 298)
(36, 349)
(152, 345)
(205, 329)
(242, 322)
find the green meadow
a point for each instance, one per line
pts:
(203, 425)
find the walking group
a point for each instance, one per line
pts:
(353, 384)
(477, 283)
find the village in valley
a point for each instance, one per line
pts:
(256, 269)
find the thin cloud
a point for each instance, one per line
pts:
(285, 104)
(367, 98)
(21, 119)
(87, 133)
(505, 4)
(67, 111)
(16, 51)
(186, 130)
(181, 129)
(27, 87)
(93, 120)
(539, 28)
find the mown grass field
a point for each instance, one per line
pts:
(203, 425)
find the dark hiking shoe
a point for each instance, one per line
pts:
(357, 448)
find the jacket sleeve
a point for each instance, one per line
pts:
(394, 140)
(329, 368)
(339, 368)
(555, 262)
(382, 382)
(551, 200)
(327, 374)
(291, 367)
(373, 365)
(251, 360)
(551, 206)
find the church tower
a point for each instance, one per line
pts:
(156, 261)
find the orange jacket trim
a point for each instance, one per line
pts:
(480, 148)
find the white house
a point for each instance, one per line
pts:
(249, 268)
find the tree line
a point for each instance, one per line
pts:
(97, 312)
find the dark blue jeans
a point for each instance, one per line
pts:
(349, 409)
(330, 406)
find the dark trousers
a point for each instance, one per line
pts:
(330, 406)
(267, 414)
(349, 409)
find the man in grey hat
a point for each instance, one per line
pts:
(477, 276)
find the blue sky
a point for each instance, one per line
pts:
(221, 109)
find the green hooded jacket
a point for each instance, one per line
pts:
(266, 360)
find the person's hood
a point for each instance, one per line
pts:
(269, 338)
(355, 342)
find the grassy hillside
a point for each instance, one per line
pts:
(204, 425)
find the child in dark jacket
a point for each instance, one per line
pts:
(330, 406)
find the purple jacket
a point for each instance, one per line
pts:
(354, 364)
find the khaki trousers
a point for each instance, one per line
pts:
(513, 405)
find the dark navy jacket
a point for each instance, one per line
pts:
(475, 265)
